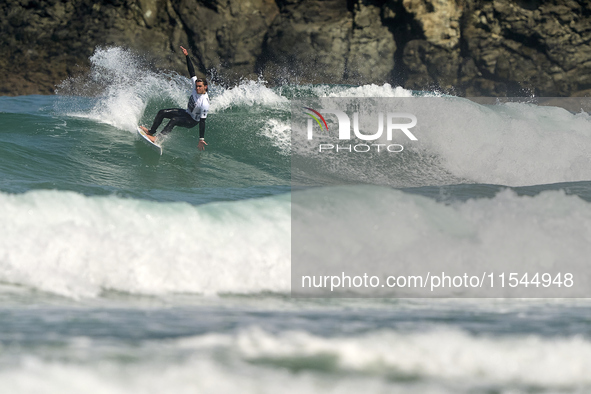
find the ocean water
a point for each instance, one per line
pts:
(122, 271)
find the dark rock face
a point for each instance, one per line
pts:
(309, 40)
(541, 46)
(330, 42)
(45, 41)
(226, 35)
(466, 47)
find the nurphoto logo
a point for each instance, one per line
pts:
(395, 122)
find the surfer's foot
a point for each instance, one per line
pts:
(150, 137)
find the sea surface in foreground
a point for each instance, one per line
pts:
(125, 272)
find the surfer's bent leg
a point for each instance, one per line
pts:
(162, 114)
(168, 128)
(182, 119)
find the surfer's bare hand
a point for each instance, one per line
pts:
(201, 145)
(185, 51)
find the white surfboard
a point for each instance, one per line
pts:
(153, 145)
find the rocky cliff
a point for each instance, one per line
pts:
(466, 47)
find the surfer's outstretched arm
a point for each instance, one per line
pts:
(189, 63)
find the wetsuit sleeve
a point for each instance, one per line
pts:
(202, 128)
(190, 66)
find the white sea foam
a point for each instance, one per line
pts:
(510, 144)
(279, 133)
(78, 246)
(372, 90)
(249, 93)
(201, 374)
(445, 355)
(385, 232)
(257, 361)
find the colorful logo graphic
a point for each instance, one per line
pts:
(388, 124)
(316, 119)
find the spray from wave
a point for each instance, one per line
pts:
(123, 84)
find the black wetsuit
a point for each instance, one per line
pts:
(187, 118)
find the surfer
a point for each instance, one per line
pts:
(194, 115)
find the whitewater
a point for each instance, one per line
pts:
(122, 271)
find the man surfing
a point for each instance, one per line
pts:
(194, 115)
